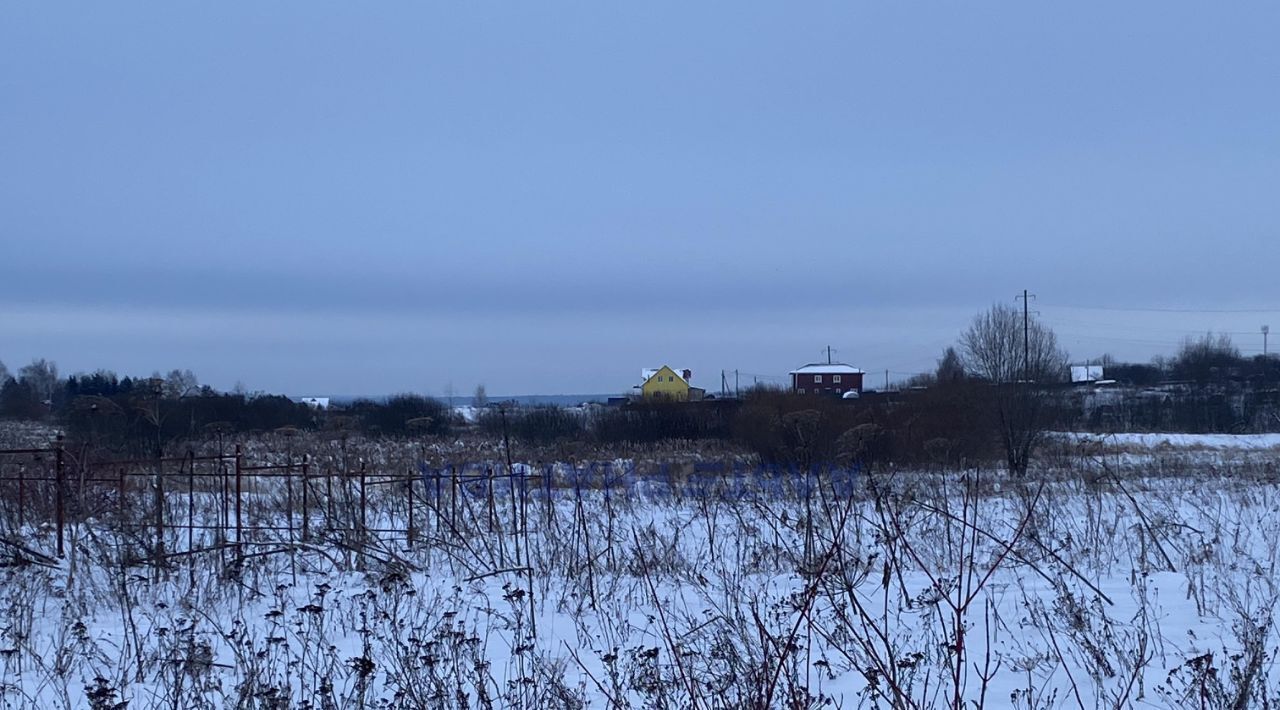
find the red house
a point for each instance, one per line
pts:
(826, 378)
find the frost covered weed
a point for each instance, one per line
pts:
(1100, 583)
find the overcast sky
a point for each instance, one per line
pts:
(545, 197)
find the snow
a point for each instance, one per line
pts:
(823, 369)
(1086, 373)
(1242, 442)
(602, 588)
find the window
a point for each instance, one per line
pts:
(835, 378)
(837, 390)
(801, 390)
(817, 379)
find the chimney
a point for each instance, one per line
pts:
(687, 375)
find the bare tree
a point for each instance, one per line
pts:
(1105, 360)
(42, 377)
(480, 398)
(1206, 358)
(1001, 347)
(1017, 357)
(180, 383)
(950, 368)
(4, 373)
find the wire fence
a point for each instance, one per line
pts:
(176, 506)
(238, 507)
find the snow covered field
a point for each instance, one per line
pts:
(1090, 587)
(1229, 442)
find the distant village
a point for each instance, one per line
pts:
(830, 379)
(669, 384)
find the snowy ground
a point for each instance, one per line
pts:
(1239, 442)
(1095, 586)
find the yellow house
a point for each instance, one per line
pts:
(665, 383)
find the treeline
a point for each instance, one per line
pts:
(1208, 359)
(1205, 360)
(634, 423)
(938, 425)
(1232, 407)
(1207, 387)
(140, 415)
(991, 398)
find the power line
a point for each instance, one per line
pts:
(1139, 341)
(1146, 329)
(1118, 339)
(760, 376)
(1160, 310)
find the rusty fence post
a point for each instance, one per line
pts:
(409, 530)
(288, 498)
(59, 503)
(488, 484)
(364, 503)
(158, 551)
(191, 516)
(239, 490)
(327, 472)
(435, 473)
(224, 491)
(453, 497)
(22, 494)
(120, 502)
(306, 513)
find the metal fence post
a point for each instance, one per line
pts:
(22, 494)
(364, 503)
(120, 503)
(59, 503)
(191, 516)
(159, 521)
(306, 516)
(453, 497)
(288, 497)
(409, 530)
(239, 490)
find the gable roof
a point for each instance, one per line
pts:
(822, 368)
(648, 373)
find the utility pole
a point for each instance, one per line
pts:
(828, 354)
(886, 380)
(724, 385)
(1026, 335)
(736, 391)
(1265, 330)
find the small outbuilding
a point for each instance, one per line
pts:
(1086, 373)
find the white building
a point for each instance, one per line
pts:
(1086, 373)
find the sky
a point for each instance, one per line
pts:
(366, 198)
